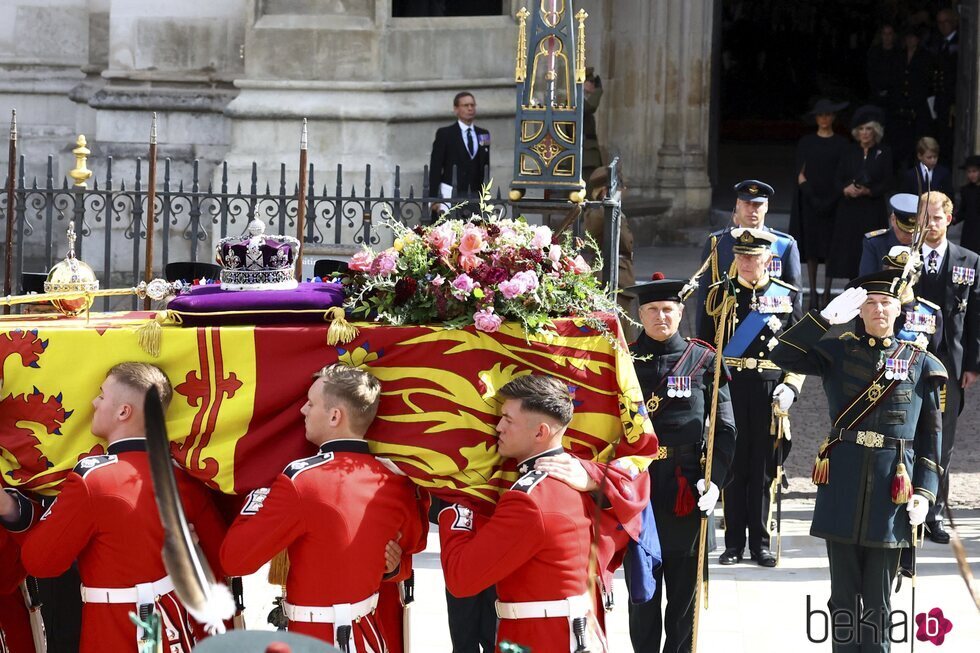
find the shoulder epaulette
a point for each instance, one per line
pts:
(527, 482)
(876, 232)
(926, 302)
(708, 345)
(294, 468)
(86, 465)
(781, 234)
(784, 284)
(848, 335)
(933, 367)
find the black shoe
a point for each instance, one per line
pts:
(764, 557)
(936, 532)
(730, 557)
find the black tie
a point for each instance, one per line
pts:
(470, 146)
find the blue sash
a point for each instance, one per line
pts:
(749, 328)
(779, 247)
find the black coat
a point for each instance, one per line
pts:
(449, 151)
(968, 212)
(961, 310)
(942, 181)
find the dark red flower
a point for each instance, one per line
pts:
(404, 289)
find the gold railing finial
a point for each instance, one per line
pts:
(580, 49)
(80, 173)
(519, 70)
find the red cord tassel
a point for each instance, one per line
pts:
(901, 485)
(821, 466)
(684, 503)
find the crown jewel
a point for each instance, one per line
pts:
(255, 261)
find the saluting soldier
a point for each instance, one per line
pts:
(676, 375)
(335, 513)
(764, 306)
(751, 206)
(877, 243)
(877, 471)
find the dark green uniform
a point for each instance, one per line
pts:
(854, 512)
(680, 426)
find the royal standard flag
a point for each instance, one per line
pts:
(235, 417)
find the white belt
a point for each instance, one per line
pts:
(340, 614)
(140, 594)
(572, 607)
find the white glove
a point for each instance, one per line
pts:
(708, 499)
(918, 507)
(845, 306)
(784, 395)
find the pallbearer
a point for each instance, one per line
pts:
(676, 375)
(877, 471)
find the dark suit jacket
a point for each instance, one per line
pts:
(961, 310)
(942, 180)
(449, 150)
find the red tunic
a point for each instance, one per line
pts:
(15, 623)
(535, 547)
(106, 517)
(334, 513)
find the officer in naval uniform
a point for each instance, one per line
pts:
(677, 378)
(878, 243)
(751, 206)
(877, 471)
(764, 306)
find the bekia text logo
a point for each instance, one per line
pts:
(932, 626)
(858, 625)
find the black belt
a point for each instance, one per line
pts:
(665, 452)
(868, 439)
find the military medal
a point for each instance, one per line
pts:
(964, 276)
(896, 368)
(780, 304)
(961, 305)
(920, 322)
(776, 268)
(774, 323)
(875, 391)
(772, 343)
(678, 386)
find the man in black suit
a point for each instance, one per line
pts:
(460, 154)
(947, 55)
(950, 279)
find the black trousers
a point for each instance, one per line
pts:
(473, 621)
(647, 624)
(747, 496)
(954, 403)
(861, 581)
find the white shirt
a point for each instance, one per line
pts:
(926, 173)
(476, 141)
(926, 251)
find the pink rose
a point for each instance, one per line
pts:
(442, 238)
(471, 241)
(542, 237)
(554, 253)
(438, 281)
(469, 262)
(385, 263)
(487, 321)
(577, 265)
(361, 262)
(509, 289)
(520, 284)
(463, 285)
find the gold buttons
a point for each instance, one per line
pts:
(872, 342)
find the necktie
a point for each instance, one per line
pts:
(470, 145)
(932, 264)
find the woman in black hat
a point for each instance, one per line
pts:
(812, 217)
(863, 179)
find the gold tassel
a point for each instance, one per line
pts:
(341, 331)
(150, 334)
(821, 466)
(279, 568)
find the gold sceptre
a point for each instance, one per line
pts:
(157, 289)
(701, 585)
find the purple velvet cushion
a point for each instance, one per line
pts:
(211, 306)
